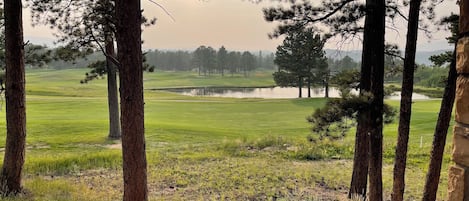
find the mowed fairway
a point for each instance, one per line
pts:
(197, 148)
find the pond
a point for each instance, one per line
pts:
(269, 92)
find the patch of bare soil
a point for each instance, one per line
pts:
(114, 146)
(323, 192)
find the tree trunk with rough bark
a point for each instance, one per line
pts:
(112, 93)
(15, 99)
(129, 50)
(362, 137)
(368, 140)
(375, 20)
(406, 102)
(373, 63)
(360, 158)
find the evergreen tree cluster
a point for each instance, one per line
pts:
(207, 60)
(346, 63)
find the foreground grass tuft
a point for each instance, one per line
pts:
(288, 148)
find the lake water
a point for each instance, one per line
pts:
(273, 92)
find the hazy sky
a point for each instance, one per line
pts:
(236, 24)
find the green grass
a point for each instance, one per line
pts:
(198, 148)
(192, 79)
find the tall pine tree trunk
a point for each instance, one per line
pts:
(13, 161)
(439, 137)
(406, 102)
(112, 94)
(368, 140)
(360, 158)
(376, 16)
(362, 137)
(129, 50)
(370, 119)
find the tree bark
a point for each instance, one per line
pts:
(359, 179)
(360, 158)
(300, 87)
(15, 99)
(369, 137)
(129, 50)
(375, 33)
(439, 137)
(309, 86)
(406, 102)
(326, 86)
(112, 96)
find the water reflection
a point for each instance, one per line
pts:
(273, 92)
(415, 96)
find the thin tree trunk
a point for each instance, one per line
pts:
(13, 160)
(129, 45)
(112, 94)
(441, 130)
(300, 86)
(326, 86)
(309, 86)
(406, 102)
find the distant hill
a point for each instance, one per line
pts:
(421, 57)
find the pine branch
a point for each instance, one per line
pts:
(110, 57)
(164, 9)
(331, 13)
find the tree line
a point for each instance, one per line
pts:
(206, 60)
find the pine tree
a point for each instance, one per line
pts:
(300, 57)
(13, 161)
(129, 54)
